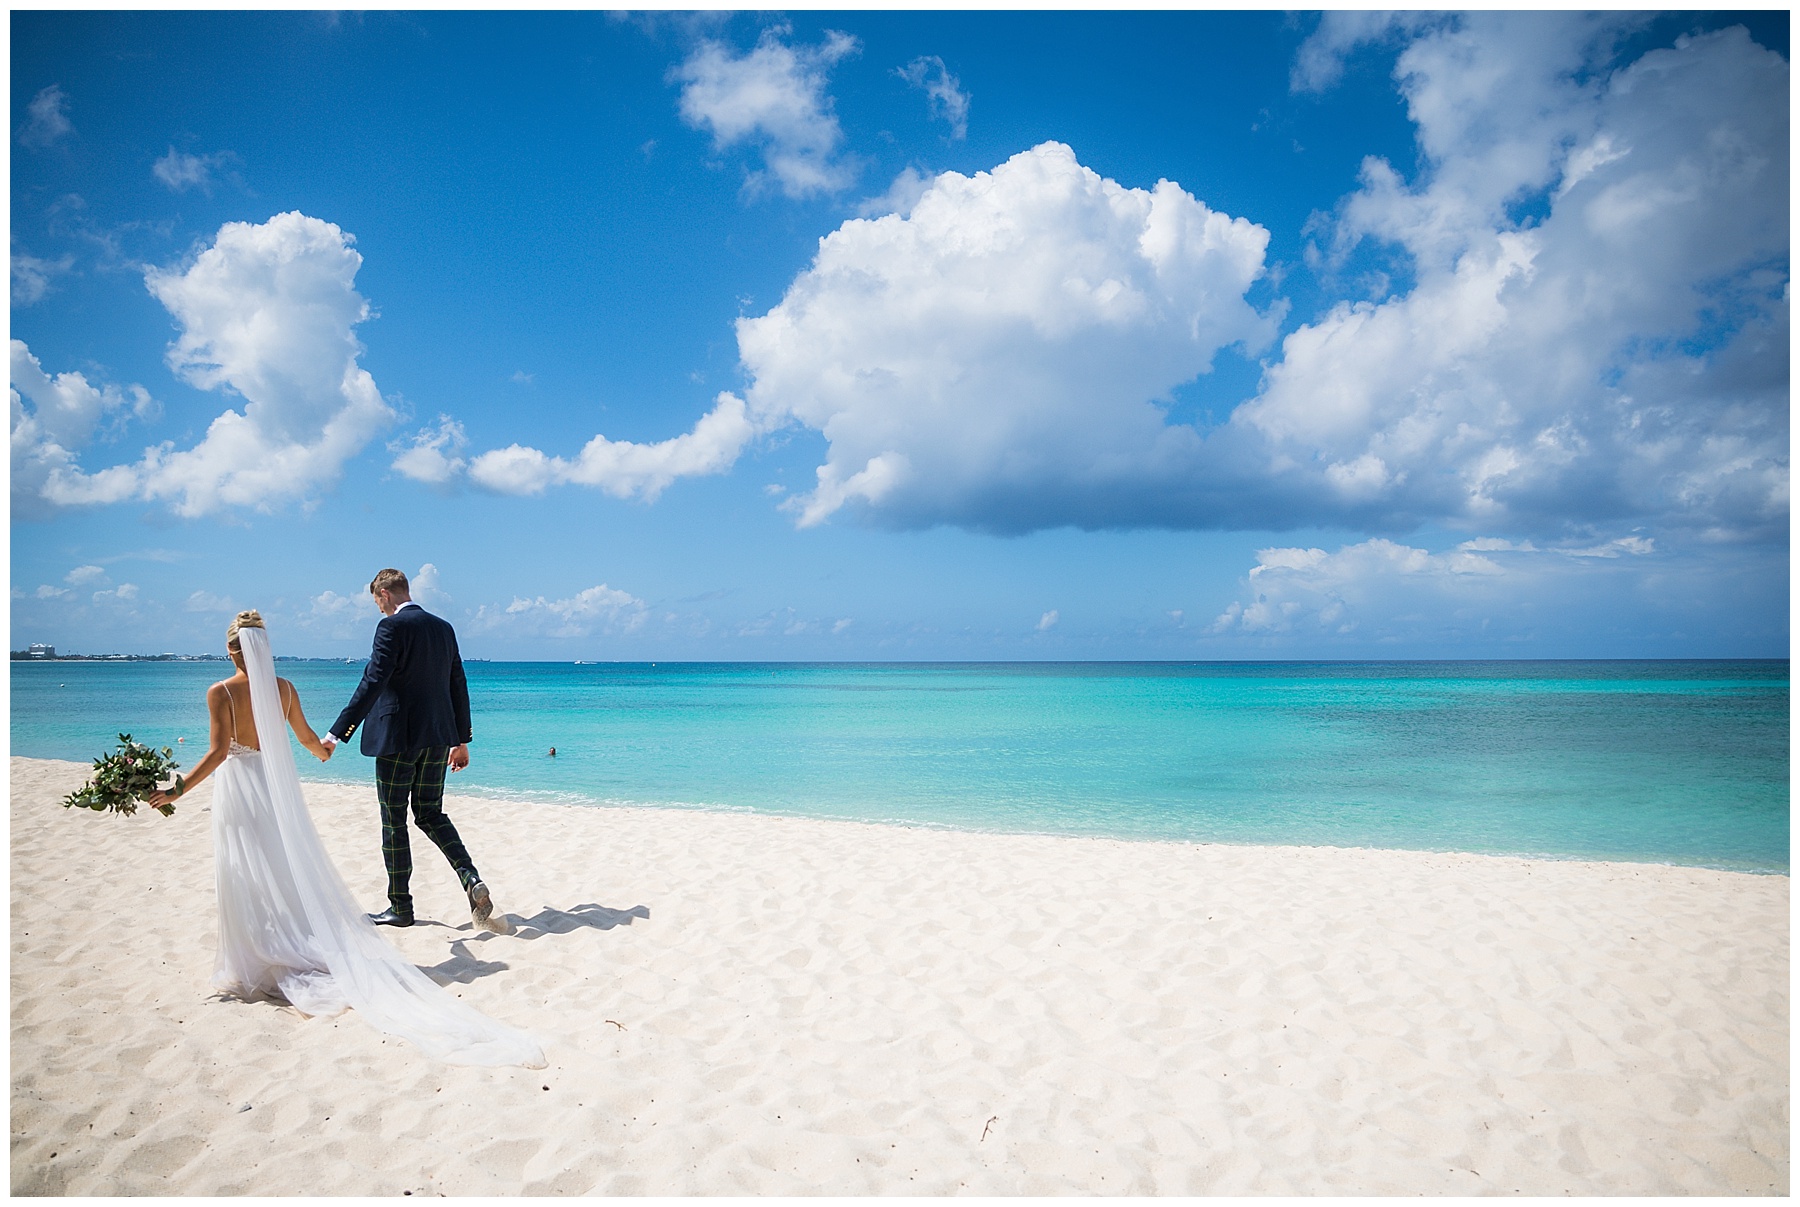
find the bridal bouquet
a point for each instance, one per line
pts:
(125, 777)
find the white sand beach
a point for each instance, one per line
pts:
(738, 1004)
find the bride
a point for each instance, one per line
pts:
(288, 926)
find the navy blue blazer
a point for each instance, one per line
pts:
(413, 692)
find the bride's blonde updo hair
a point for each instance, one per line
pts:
(250, 618)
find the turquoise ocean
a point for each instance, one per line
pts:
(1668, 762)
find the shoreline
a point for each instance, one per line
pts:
(570, 799)
(901, 823)
(751, 1003)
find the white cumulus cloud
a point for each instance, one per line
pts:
(997, 357)
(122, 596)
(54, 418)
(343, 616)
(620, 467)
(1490, 591)
(598, 609)
(773, 97)
(1293, 587)
(428, 588)
(268, 313)
(1618, 351)
(430, 456)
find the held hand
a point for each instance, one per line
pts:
(326, 750)
(459, 757)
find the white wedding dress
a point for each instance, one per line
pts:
(288, 925)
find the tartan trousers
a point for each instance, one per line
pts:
(416, 780)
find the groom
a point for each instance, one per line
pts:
(417, 703)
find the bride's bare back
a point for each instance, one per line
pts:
(233, 723)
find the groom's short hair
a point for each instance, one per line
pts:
(389, 580)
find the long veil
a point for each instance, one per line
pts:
(379, 983)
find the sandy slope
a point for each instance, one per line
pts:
(742, 1004)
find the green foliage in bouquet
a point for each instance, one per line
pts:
(125, 777)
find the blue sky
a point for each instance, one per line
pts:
(905, 335)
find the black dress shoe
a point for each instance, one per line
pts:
(388, 917)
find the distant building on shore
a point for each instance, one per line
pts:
(47, 653)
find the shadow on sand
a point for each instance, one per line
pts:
(464, 966)
(549, 921)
